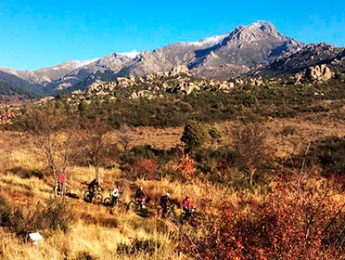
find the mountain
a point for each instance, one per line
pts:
(220, 57)
(308, 56)
(16, 89)
(46, 75)
(104, 69)
(257, 49)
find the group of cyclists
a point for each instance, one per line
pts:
(140, 197)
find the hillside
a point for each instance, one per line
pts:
(219, 187)
(308, 56)
(14, 89)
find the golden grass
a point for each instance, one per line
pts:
(100, 234)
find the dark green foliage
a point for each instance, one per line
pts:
(194, 135)
(329, 153)
(16, 89)
(206, 159)
(215, 133)
(248, 103)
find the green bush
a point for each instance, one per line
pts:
(194, 135)
(329, 154)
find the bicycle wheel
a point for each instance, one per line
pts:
(98, 199)
(107, 202)
(130, 206)
(87, 196)
(172, 216)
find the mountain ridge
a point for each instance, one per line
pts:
(256, 49)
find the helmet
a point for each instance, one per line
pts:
(168, 194)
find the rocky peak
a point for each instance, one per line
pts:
(256, 31)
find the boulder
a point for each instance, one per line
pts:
(319, 73)
(298, 78)
(123, 82)
(256, 82)
(239, 82)
(179, 70)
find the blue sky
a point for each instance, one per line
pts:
(39, 33)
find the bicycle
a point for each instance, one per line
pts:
(170, 214)
(111, 204)
(95, 197)
(188, 218)
(139, 206)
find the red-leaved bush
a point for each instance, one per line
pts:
(185, 167)
(292, 223)
(145, 169)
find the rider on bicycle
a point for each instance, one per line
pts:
(115, 195)
(61, 182)
(93, 186)
(165, 202)
(140, 196)
(188, 207)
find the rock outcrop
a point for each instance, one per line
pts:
(319, 73)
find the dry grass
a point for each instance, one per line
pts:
(99, 234)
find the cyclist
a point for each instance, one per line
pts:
(188, 207)
(61, 182)
(92, 187)
(140, 196)
(165, 202)
(115, 195)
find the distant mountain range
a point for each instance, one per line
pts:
(257, 49)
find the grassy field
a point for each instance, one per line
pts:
(290, 209)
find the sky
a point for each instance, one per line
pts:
(41, 33)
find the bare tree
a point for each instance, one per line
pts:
(125, 141)
(251, 149)
(55, 136)
(94, 140)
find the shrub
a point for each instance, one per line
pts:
(328, 153)
(194, 136)
(145, 169)
(251, 152)
(5, 213)
(206, 160)
(292, 223)
(185, 168)
(55, 215)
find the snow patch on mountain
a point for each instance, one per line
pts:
(131, 54)
(213, 40)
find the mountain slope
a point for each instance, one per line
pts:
(15, 89)
(309, 55)
(237, 52)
